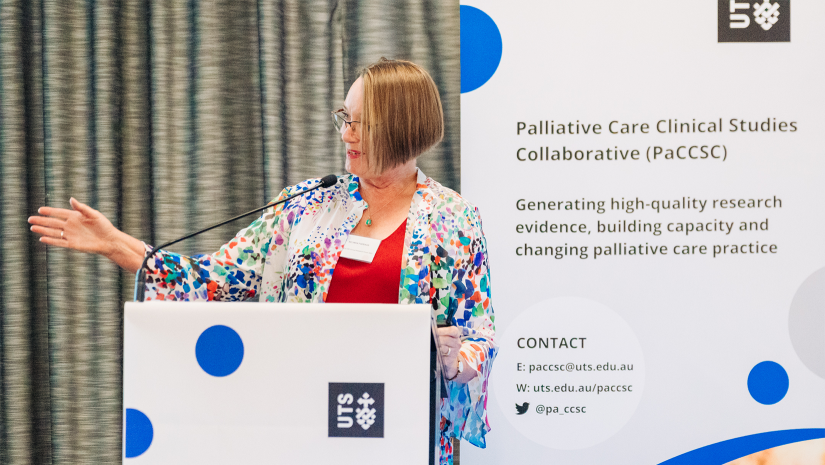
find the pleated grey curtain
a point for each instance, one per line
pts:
(166, 116)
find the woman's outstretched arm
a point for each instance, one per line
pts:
(85, 229)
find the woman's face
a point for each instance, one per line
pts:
(351, 133)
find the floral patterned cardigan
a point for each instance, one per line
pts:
(289, 255)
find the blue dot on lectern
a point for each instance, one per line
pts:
(139, 433)
(768, 383)
(480, 48)
(219, 350)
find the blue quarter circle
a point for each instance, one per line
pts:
(481, 48)
(768, 382)
(139, 433)
(219, 350)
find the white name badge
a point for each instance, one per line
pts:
(360, 248)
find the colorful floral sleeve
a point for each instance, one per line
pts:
(232, 273)
(471, 310)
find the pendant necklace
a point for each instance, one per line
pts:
(369, 215)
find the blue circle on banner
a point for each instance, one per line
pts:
(768, 383)
(219, 350)
(480, 48)
(139, 433)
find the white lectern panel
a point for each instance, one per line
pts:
(274, 405)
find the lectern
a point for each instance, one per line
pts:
(209, 382)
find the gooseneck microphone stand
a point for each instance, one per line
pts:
(140, 276)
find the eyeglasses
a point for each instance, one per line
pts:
(339, 119)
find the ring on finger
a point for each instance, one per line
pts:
(61, 233)
(449, 349)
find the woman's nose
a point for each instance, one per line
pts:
(347, 134)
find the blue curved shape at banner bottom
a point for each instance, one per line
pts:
(732, 449)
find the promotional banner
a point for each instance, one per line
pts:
(650, 180)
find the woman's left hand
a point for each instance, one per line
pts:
(449, 339)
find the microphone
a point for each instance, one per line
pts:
(140, 277)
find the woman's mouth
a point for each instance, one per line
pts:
(353, 153)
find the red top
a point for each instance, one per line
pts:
(370, 283)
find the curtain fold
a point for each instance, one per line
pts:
(166, 116)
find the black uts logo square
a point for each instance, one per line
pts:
(754, 21)
(356, 410)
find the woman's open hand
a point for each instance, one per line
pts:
(87, 230)
(83, 228)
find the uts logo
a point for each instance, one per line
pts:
(760, 21)
(766, 14)
(356, 410)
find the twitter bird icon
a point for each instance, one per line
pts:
(522, 409)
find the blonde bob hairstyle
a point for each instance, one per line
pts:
(401, 115)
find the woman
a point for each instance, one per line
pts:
(392, 114)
